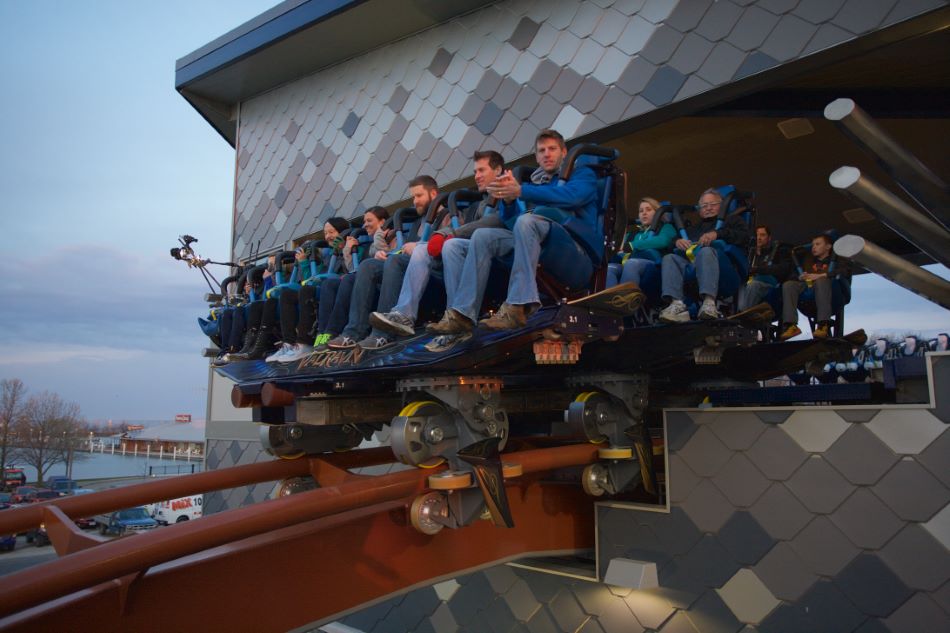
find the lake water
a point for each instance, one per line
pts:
(104, 465)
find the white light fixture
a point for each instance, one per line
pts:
(632, 574)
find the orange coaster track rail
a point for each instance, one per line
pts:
(282, 563)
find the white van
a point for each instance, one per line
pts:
(177, 510)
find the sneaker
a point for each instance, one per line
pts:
(709, 310)
(508, 317)
(676, 312)
(296, 352)
(452, 323)
(341, 342)
(321, 339)
(277, 357)
(822, 331)
(393, 322)
(445, 342)
(790, 331)
(374, 342)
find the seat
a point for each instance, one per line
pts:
(566, 277)
(733, 259)
(840, 293)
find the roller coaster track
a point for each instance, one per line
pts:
(280, 564)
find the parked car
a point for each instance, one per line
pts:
(85, 523)
(128, 521)
(41, 494)
(63, 485)
(177, 510)
(7, 542)
(20, 493)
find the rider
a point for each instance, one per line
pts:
(701, 236)
(400, 321)
(468, 262)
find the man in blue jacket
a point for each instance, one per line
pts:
(554, 208)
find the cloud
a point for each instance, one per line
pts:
(100, 297)
(40, 354)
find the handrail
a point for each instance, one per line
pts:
(341, 492)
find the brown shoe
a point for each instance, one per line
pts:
(508, 317)
(451, 323)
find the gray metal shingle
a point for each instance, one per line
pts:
(688, 14)
(707, 507)
(710, 614)
(789, 38)
(866, 520)
(609, 28)
(918, 559)
(719, 20)
(776, 454)
(919, 613)
(872, 586)
(780, 513)
(659, 48)
(744, 538)
(786, 576)
(566, 85)
(585, 20)
(523, 35)
(823, 548)
(819, 486)
(636, 34)
(740, 481)
(588, 95)
(860, 16)
(827, 609)
(756, 62)
(691, 53)
(636, 76)
(722, 63)
(911, 491)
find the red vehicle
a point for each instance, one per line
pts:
(13, 477)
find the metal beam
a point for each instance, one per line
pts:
(926, 187)
(888, 265)
(915, 227)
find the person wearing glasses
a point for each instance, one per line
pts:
(705, 259)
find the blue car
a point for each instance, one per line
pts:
(7, 541)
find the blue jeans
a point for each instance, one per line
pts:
(393, 272)
(414, 281)
(753, 293)
(530, 231)
(673, 269)
(365, 292)
(466, 265)
(631, 271)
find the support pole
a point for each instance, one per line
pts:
(900, 217)
(901, 272)
(926, 187)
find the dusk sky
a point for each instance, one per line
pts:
(103, 165)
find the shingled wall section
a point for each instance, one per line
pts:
(781, 520)
(352, 136)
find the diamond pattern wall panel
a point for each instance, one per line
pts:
(303, 149)
(828, 546)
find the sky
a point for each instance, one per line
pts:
(103, 165)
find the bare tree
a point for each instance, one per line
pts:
(12, 401)
(48, 431)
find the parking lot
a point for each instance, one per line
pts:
(24, 555)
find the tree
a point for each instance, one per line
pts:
(12, 400)
(48, 431)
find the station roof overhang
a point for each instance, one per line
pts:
(294, 39)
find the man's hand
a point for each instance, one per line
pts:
(505, 187)
(300, 256)
(707, 238)
(811, 276)
(381, 255)
(351, 242)
(267, 274)
(682, 244)
(408, 247)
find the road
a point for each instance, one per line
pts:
(25, 555)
